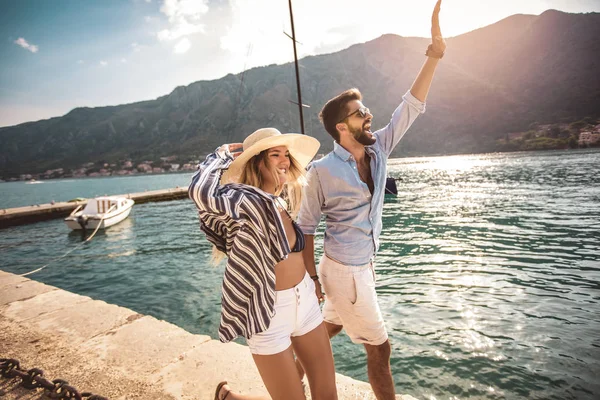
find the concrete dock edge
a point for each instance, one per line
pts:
(117, 353)
(43, 212)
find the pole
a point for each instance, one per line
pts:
(297, 71)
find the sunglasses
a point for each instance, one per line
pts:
(362, 111)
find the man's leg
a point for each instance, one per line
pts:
(379, 371)
(351, 294)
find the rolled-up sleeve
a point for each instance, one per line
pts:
(205, 187)
(312, 200)
(402, 118)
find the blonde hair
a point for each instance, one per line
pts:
(290, 191)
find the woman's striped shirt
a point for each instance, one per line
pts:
(243, 222)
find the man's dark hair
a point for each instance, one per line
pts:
(336, 109)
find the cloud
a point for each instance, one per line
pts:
(80, 61)
(182, 29)
(182, 46)
(321, 26)
(124, 61)
(24, 44)
(184, 19)
(135, 46)
(263, 23)
(103, 63)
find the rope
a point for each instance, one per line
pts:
(99, 224)
(74, 248)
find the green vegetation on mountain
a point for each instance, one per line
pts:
(521, 72)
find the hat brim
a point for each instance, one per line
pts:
(303, 148)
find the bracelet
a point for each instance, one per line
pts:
(431, 53)
(314, 277)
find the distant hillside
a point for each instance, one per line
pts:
(499, 79)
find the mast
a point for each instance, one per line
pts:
(297, 71)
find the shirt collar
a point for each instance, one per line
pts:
(341, 152)
(345, 154)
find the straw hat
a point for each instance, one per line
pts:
(303, 148)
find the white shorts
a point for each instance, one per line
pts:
(351, 301)
(297, 312)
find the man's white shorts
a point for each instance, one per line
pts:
(297, 312)
(351, 301)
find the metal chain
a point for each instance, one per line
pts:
(34, 378)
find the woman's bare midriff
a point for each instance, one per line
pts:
(291, 271)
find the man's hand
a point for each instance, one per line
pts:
(437, 41)
(435, 51)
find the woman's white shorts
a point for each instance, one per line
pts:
(297, 312)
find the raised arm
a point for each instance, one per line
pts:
(435, 52)
(413, 102)
(204, 189)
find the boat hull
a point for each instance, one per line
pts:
(93, 221)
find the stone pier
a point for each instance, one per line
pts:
(117, 353)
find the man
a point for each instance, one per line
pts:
(347, 186)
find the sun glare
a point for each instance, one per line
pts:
(456, 164)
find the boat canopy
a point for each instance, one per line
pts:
(101, 205)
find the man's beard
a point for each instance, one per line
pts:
(363, 137)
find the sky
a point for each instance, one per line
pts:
(57, 55)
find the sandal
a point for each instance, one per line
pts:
(219, 387)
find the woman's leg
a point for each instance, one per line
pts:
(280, 376)
(313, 349)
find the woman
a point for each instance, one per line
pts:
(268, 297)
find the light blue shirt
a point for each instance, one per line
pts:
(352, 216)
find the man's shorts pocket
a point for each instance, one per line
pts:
(340, 287)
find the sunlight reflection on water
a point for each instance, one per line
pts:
(487, 276)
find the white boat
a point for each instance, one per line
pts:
(101, 212)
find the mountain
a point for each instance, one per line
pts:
(493, 81)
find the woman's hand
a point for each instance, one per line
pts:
(319, 292)
(230, 147)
